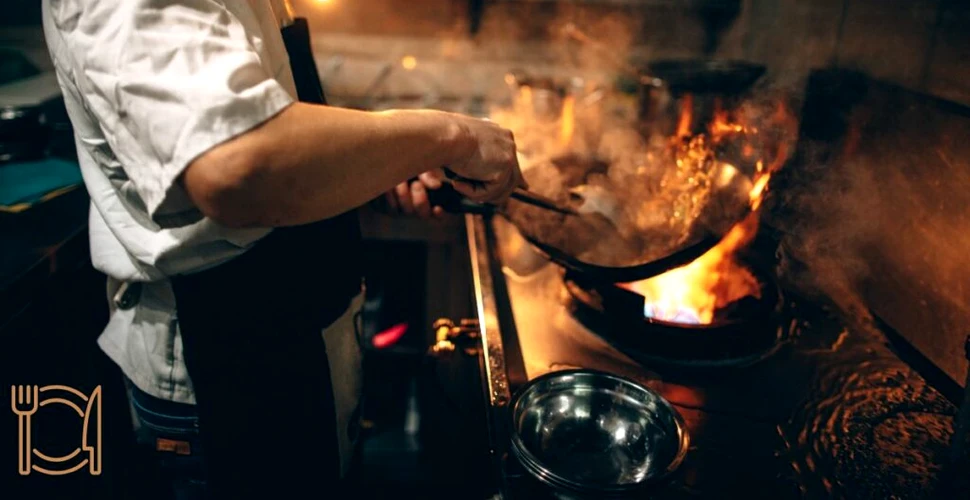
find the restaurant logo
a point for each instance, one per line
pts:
(26, 400)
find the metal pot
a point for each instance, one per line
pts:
(593, 434)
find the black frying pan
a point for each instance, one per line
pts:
(454, 202)
(545, 230)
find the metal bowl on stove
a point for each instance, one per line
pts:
(595, 434)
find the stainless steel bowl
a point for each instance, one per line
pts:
(595, 433)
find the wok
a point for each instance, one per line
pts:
(590, 245)
(665, 88)
(703, 76)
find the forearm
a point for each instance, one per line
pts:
(314, 162)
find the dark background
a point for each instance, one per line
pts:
(20, 13)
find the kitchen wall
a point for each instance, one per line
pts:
(355, 43)
(882, 226)
(874, 212)
(919, 44)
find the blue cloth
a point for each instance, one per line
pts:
(25, 184)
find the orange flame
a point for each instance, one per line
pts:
(695, 292)
(568, 120)
(722, 125)
(686, 110)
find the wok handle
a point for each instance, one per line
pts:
(296, 38)
(454, 202)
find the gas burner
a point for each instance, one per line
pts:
(741, 334)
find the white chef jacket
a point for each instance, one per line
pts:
(150, 86)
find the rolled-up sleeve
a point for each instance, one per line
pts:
(167, 81)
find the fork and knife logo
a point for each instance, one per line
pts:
(25, 400)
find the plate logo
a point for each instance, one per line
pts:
(27, 400)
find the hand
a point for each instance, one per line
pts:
(493, 164)
(411, 198)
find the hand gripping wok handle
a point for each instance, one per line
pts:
(454, 202)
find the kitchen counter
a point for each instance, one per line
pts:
(38, 243)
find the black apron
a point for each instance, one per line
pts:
(251, 331)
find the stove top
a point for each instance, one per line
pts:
(833, 412)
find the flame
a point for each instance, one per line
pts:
(758, 190)
(409, 62)
(568, 121)
(693, 294)
(683, 123)
(722, 126)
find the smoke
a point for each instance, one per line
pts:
(646, 193)
(827, 227)
(878, 220)
(541, 38)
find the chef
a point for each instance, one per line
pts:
(223, 214)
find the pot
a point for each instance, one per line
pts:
(592, 434)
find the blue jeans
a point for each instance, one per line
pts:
(171, 431)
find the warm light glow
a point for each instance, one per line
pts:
(758, 189)
(568, 121)
(525, 98)
(686, 108)
(722, 125)
(696, 292)
(323, 2)
(409, 62)
(693, 294)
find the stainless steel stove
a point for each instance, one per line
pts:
(833, 412)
